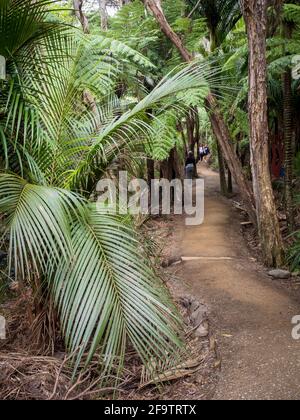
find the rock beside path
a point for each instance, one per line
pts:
(280, 274)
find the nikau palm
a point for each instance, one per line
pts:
(54, 149)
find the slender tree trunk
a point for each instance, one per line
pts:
(288, 140)
(222, 134)
(255, 14)
(155, 7)
(171, 168)
(81, 16)
(222, 173)
(229, 184)
(190, 123)
(288, 145)
(197, 133)
(184, 139)
(103, 14)
(150, 173)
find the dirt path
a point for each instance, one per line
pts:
(251, 313)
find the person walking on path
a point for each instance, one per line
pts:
(201, 152)
(190, 166)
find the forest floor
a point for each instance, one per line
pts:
(250, 314)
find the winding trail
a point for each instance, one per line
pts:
(250, 313)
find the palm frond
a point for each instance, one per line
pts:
(106, 294)
(37, 223)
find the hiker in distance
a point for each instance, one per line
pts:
(190, 166)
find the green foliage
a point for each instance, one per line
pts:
(294, 252)
(221, 17)
(134, 27)
(164, 136)
(291, 14)
(105, 292)
(64, 123)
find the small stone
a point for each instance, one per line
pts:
(280, 274)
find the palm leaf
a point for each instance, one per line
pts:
(37, 222)
(108, 295)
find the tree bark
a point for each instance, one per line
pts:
(229, 184)
(155, 7)
(150, 173)
(185, 141)
(190, 124)
(81, 16)
(288, 139)
(222, 134)
(171, 168)
(103, 15)
(255, 15)
(223, 183)
(218, 124)
(288, 147)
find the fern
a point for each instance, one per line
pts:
(164, 136)
(291, 13)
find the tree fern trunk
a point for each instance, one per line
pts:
(255, 15)
(288, 144)
(229, 184)
(222, 173)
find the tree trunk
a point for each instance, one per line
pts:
(288, 146)
(218, 124)
(255, 15)
(150, 171)
(288, 140)
(197, 132)
(221, 132)
(171, 168)
(229, 184)
(222, 173)
(103, 14)
(185, 141)
(155, 7)
(81, 16)
(190, 124)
